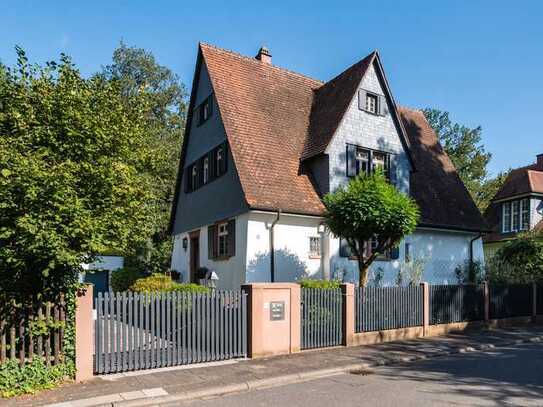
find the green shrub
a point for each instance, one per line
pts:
(31, 377)
(324, 284)
(163, 283)
(123, 279)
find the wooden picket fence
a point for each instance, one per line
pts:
(33, 331)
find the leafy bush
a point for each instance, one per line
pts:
(123, 279)
(518, 261)
(31, 377)
(323, 284)
(163, 283)
(470, 272)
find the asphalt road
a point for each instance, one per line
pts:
(506, 376)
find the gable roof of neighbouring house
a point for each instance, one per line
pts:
(522, 181)
(274, 118)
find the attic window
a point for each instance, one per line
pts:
(371, 103)
(205, 110)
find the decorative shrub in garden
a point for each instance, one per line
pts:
(324, 284)
(163, 283)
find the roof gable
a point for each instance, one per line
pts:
(265, 111)
(332, 101)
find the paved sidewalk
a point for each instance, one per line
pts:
(159, 386)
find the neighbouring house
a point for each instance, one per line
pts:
(263, 145)
(517, 206)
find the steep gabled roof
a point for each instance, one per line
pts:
(330, 104)
(332, 100)
(274, 118)
(436, 186)
(265, 111)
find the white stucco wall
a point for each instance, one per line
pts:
(291, 240)
(443, 251)
(231, 272)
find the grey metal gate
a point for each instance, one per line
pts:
(137, 331)
(322, 317)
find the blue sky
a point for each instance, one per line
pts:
(480, 60)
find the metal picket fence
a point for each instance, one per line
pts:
(380, 308)
(510, 301)
(322, 317)
(456, 303)
(137, 331)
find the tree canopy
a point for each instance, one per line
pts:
(463, 146)
(138, 73)
(369, 207)
(74, 178)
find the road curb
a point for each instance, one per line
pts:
(311, 375)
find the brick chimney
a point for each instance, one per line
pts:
(540, 161)
(264, 55)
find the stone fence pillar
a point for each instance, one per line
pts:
(274, 318)
(84, 335)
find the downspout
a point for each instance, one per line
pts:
(471, 262)
(480, 235)
(272, 248)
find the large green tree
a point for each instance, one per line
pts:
(369, 207)
(464, 147)
(137, 72)
(74, 156)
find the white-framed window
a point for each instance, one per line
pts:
(205, 110)
(516, 215)
(194, 177)
(525, 214)
(371, 103)
(362, 161)
(219, 161)
(222, 239)
(206, 170)
(314, 246)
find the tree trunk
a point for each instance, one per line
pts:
(363, 271)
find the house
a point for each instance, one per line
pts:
(263, 145)
(516, 207)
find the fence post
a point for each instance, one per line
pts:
(347, 291)
(84, 335)
(425, 308)
(534, 302)
(267, 336)
(486, 293)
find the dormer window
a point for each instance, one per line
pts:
(366, 161)
(371, 103)
(516, 215)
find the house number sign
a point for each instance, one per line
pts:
(277, 311)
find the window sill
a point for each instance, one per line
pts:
(314, 256)
(221, 258)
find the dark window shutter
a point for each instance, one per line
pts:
(200, 166)
(362, 99)
(224, 164)
(393, 176)
(211, 164)
(188, 174)
(351, 160)
(383, 107)
(232, 237)
(395, 253)
(210, 105)
(212, 242)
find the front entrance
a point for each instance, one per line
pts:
(194, 255)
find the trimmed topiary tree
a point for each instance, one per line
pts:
(369, 207)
